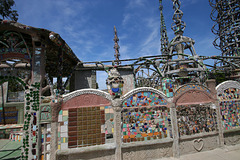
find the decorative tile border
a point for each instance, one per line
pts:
(187, 87)
(143, 99)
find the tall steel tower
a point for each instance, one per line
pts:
(163, 32)
(226, 15)
(184, 65)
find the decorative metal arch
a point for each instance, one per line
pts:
(14, 44)
(227, 84)
(146, 89)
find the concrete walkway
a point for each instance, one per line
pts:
(224, 153)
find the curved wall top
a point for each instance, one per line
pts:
(193, 94)
(227, 84)
(145, 96)
(86, 98)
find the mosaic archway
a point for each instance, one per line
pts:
(86, 119)
(145, 115)
(195, 111)
(229, 100)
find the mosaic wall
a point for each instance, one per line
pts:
(229, 94)
(63, 129)
(196, 119)
(109, 123)
(45, 141)
(144, 99)
(230, 109)
(141, 124)
(11, 131)
(144, 117)
(11, 115)
(16, 135)
(168, 87)
(85, 126)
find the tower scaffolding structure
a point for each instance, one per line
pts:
(163, 32)
(184, 65)
(226, 15)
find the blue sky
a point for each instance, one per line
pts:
(87, 25)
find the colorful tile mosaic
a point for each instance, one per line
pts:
(16, 136)
(109, 123)
(230, 110)
(196, 119)
(86, 126)
(168, 87)
(45, 140)
(11, 116)
(63, 129)
(142, 99)
(12, 131)
(229, 94)
(141, 124)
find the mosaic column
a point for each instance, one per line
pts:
(175, 133)
(31, 143)
(117, 107)
(30, 127)
(219, 121)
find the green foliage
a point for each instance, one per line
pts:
(6, 10)
(14, 86)
(221, 77)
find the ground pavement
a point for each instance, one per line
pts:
(224, 153)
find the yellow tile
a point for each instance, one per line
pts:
(65, 113)
(59, 146)
(110, 110)
(107, 111)
(64, 140)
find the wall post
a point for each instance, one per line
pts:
(117, 107)
(219, 122)
(173, 113)
(55, 108)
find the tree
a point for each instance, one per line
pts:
(6, 10)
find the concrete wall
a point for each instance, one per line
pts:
(128, 79)
(82, 79)
(232, 137)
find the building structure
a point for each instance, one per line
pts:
(128, 122)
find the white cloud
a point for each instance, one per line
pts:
(135, 3)
(126, 19)
(185, 3)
